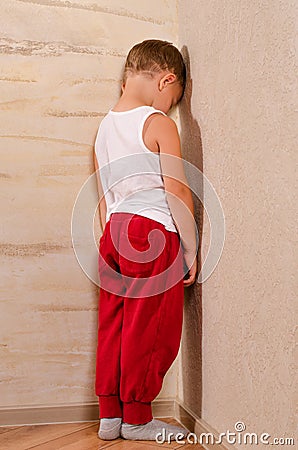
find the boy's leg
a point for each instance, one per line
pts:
(152, 328)
(150, 343)
(110, 316)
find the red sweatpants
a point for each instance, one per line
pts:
(140, 314)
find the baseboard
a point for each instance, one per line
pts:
(48, 414)
(70, 413)
(198, 426)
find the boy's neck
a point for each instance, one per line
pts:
(138, 91)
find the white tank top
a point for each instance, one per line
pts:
(130, 173)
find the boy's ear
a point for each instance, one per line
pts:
(169, 78)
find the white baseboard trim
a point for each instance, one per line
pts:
(70, 413)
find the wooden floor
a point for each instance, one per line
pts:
(75, 436)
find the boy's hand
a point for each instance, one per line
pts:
(191, 274)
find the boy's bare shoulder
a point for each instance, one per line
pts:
(162, 126)
(163, 132)
(165, 121)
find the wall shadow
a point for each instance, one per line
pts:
(191, 344)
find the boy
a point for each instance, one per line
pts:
(144, 202)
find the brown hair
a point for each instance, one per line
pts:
(152, 56)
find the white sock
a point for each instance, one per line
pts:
(149, 430)
(109, 428)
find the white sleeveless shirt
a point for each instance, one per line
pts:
(130, 173)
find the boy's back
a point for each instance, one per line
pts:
(130, 173)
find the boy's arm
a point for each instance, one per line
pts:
(102, 201)
(178, 193)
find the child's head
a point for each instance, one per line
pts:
(158, 60)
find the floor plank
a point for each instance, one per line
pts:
(85, 439)
(6, 429)
(28, 436)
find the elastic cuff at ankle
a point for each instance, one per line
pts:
(109, 406)
(137, 412)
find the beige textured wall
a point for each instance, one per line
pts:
(239, 128)
(60, 66)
